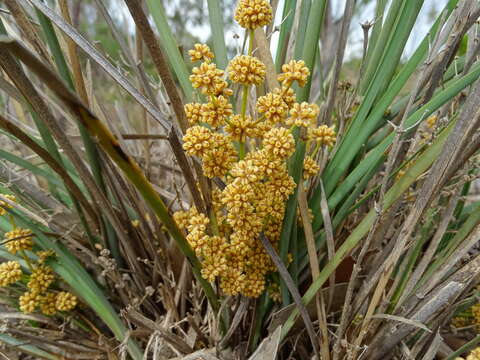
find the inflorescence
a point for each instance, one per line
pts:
(40, 278)
(249, 153)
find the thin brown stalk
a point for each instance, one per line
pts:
(347, 19)
(186, 169)
(264, 54)
(73, 56)
(159, 60)
(434, 242)
(144, 137)
(315, 269)
(327, 221)
(293, 291)
(136, 65)
(27, 29)
(93, 53)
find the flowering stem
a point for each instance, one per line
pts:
(12, 221)
(214, 223)
(241, 152)
(317, 147)
(27, 260)
(250, 43)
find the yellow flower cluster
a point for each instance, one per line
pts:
(294, 71)
(200, 52)
(431, 121)
(303, 114)
(65, 301)
(247, 70)
(29, 301)
(10, 272)
(39, 296)
(18, 240)
(474, 354)
(310, 167)
(273, 107)
(210, 80)
(41, 278)
(476, 313)
(43, 255)
(323, 135)
(4, 205)
(248, 151)
(47, 303)
(240, 127)
(252, 14)
(215, 150)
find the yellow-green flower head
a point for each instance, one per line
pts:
(287, 94)
(274, 293)
(304, 114)
(310, 167)
(193, 113)
(279, 143)
(294, 71)
(43, 255)
(215, 112)
(324, 135)
(197, 140)
(476, 313)
(47, 304)
(210, 80)
(42, 277)
(273, 107)
(29, 301)
(474, 355)
(246, 70)
(240, 127)
(252, 14)
(182, 218)
(10, 272)
(214, 261)
(254, 284)
(232, 281)
(200, 52)
(65, 301)
(18, 240)
(431, 121)
(4, 205)
(218, 161)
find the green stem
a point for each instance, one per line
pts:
(468, 346)
(12, 221)
(241, 150)
(251, 36)
(27, 260)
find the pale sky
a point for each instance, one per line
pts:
(355, 41)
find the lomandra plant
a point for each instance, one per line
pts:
(252, 208)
